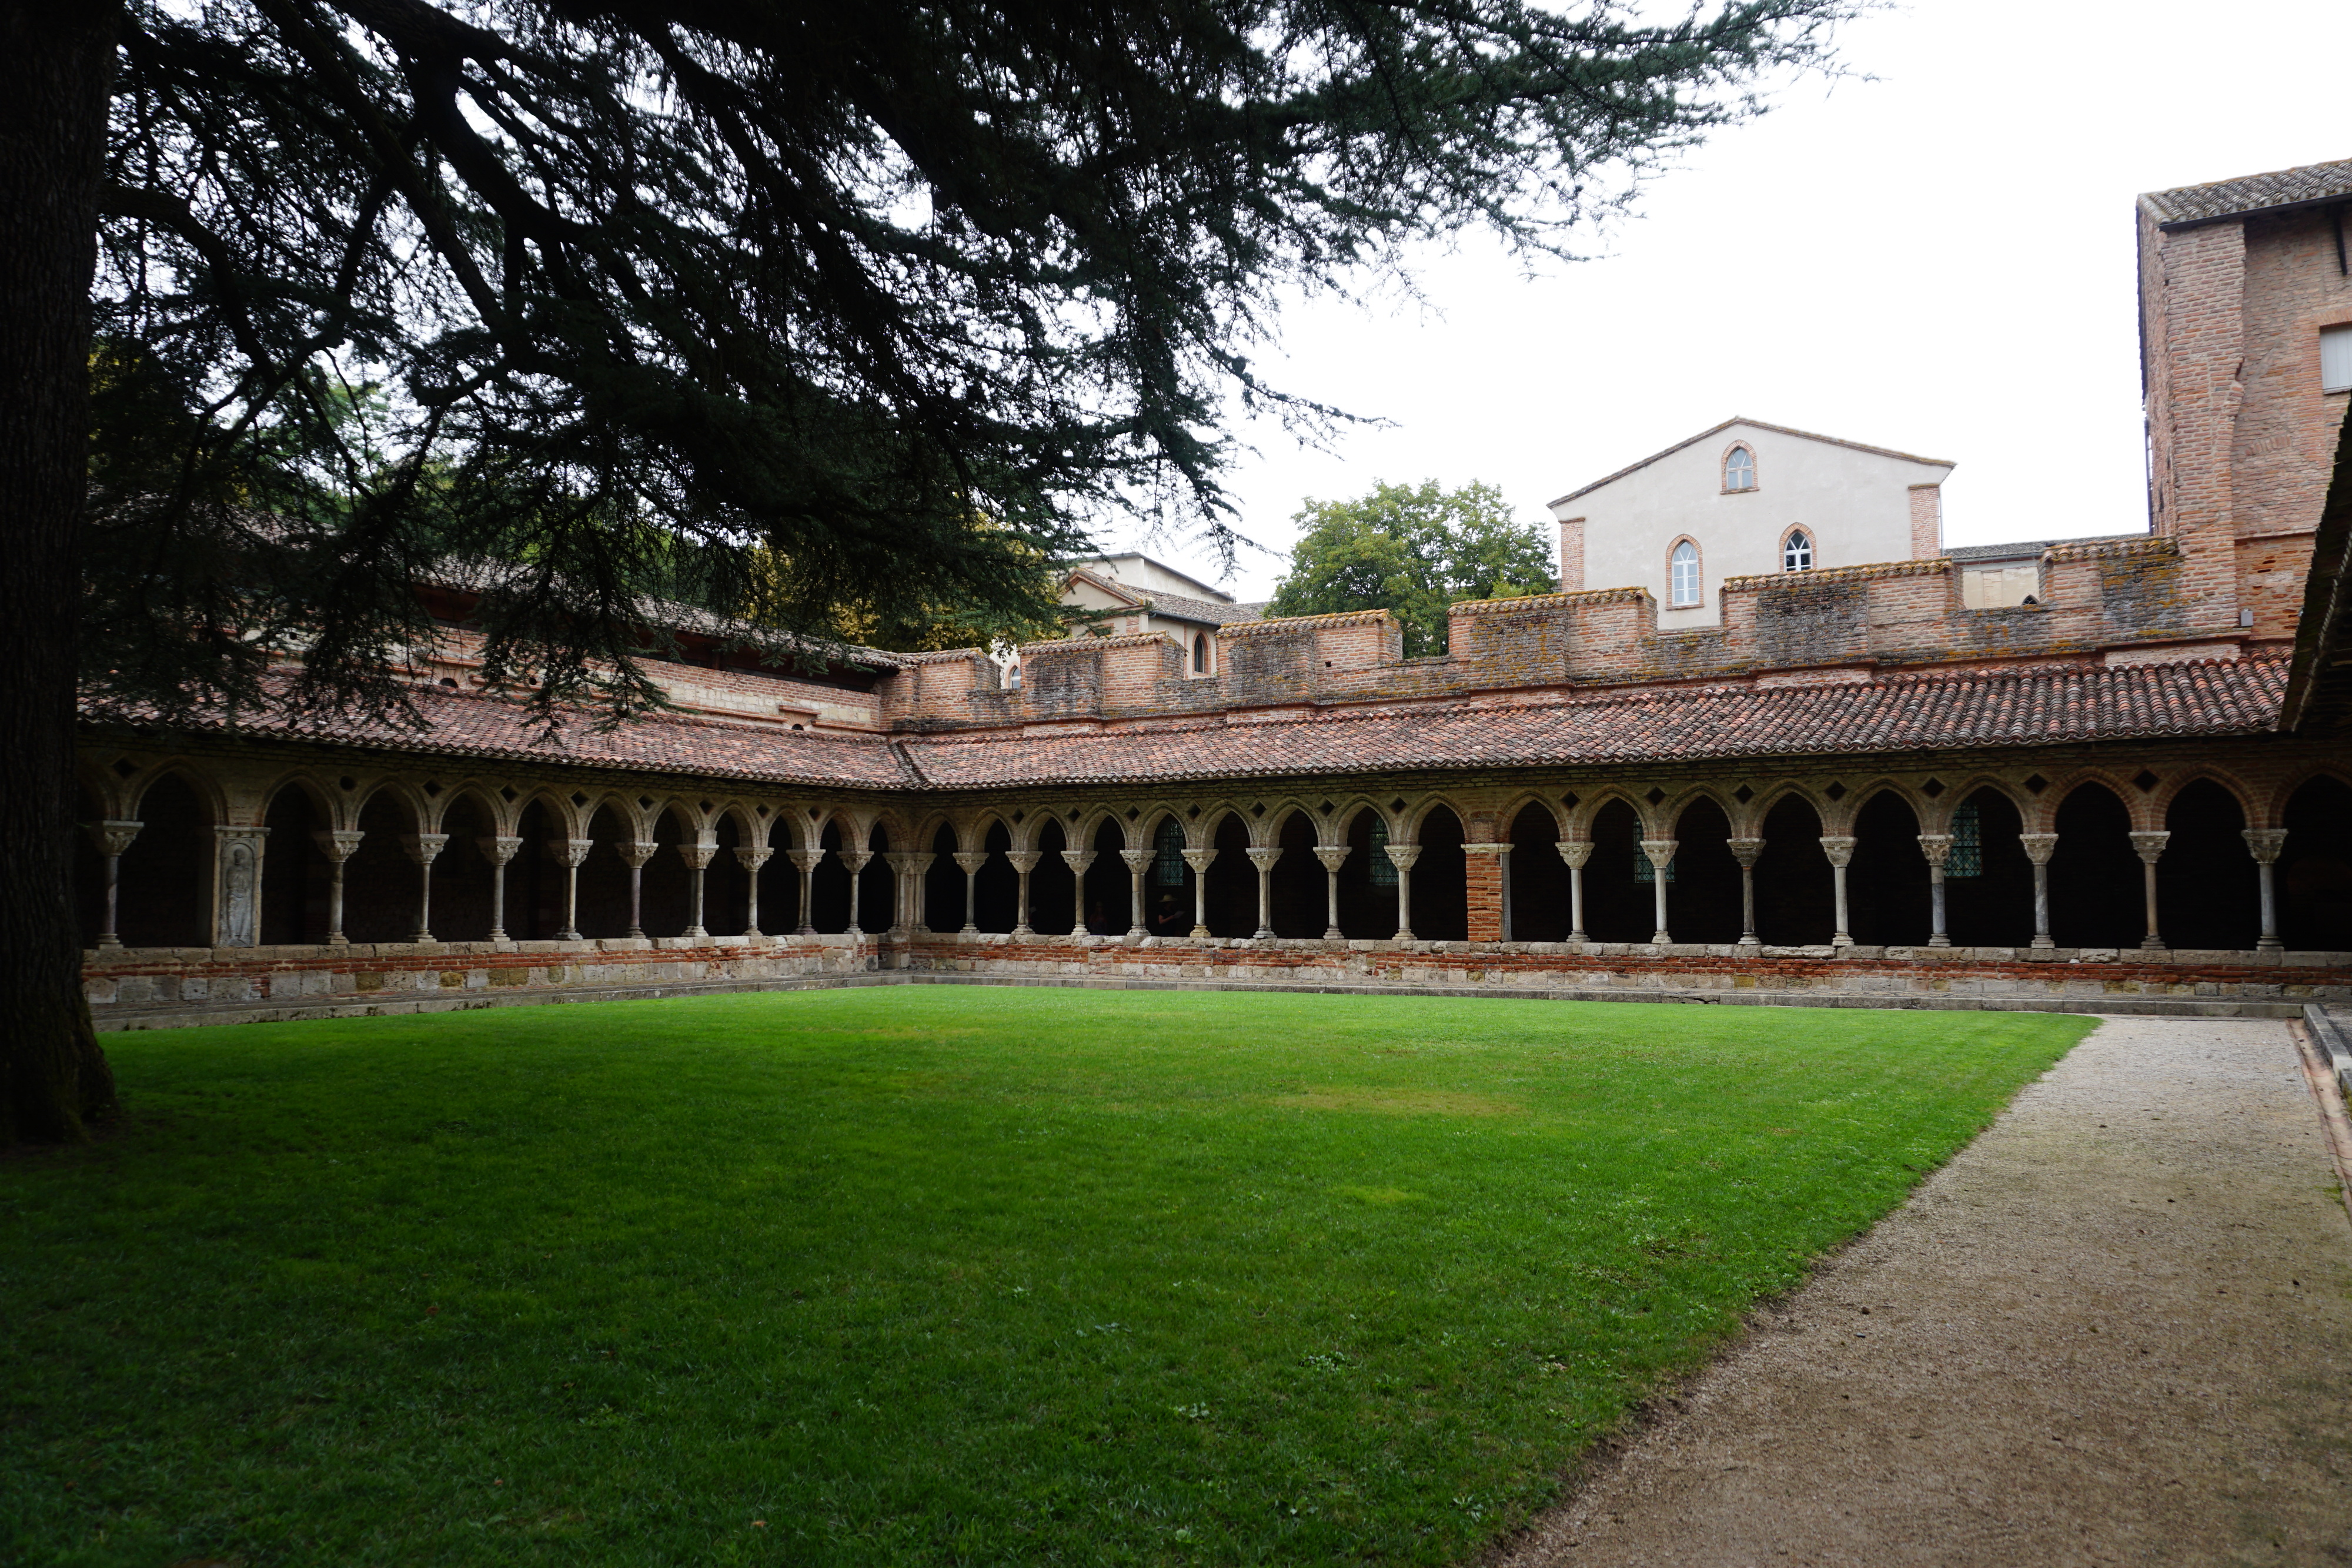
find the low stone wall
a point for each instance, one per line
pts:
(169, 987)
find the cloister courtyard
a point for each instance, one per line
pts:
(925, 1274)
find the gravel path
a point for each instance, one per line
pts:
(2117, 1328)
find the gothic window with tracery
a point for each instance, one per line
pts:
(1740, 470)
(1797, 551)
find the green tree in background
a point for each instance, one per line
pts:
(1412, 550)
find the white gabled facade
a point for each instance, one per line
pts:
(1852, 504)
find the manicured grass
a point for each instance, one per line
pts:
(922, 1275)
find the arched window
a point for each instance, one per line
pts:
(1167, 865)
(1682, 576)
(1797, 551)
(1200, 654)
(1740, 469)
(1383, 869)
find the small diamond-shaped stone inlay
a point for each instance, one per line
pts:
(1257, 810)
(124, 767)
(1194, 813)
(1656, 795)
(2146, 780)
(1397, 805)
(1132, 814)
(509, 794)
(1743, 794)
(582, 799)
(1016, 819)
(1569, 800)
(1932, 788)
(349, 783)
(1835, 791)
(645, 801)
(2037, 784)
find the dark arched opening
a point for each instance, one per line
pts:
(1704, 904)
(381, 885)
(1368, 881)
(535, 877)
(829, 886)
(877, 882)
(1886, 885)
(1168, 883)
(1539, 896)
(1988, 880)
(1110, 894)
(294, 872)
(943, 883)
(1232, 882)
(1796, 893)
(1617, 879)
(1053, 888)
(996, 892)
(2208, 891)
(727, 886)
(1299, 905)
(2315, 868)
(461, 874)
(1441, 884)
(2097, 893)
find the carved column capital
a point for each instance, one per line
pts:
(919, 861)
(1485, 847)
(1333, 856)
(1024, 861)
(1660, 851)
(339, 845)
(1937, 847)
(1839, 848)
(497, 849)
(1746, 851)
(806, 861)
(1138, 859)
(751, 857)
(1575, 851)
(900, 860)
(696, 856)
(424, 848)
(1078, 861)
(1402, 855)
(2038, 847)
(855, 860)
(112, 837)
(971, 861)
(571, 851)
(2264, 843)
(1199, 860)
(1264, 859)
(2150, 845)
(635, 853)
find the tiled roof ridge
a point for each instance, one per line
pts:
(1922, 566)
(1631, 696)
(2241, 195)
(1544, 600)
(1277, 624)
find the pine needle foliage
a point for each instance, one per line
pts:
(613, 299)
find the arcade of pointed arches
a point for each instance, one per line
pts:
(190, 852)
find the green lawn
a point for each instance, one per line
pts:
(921, 1274)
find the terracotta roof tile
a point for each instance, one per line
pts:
(1904, 714)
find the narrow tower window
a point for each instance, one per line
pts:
(1682, 576)
(2335, 359)
(1797, 551)
(1200, 654)
(1740, 470)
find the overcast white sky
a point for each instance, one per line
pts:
(1938, 260)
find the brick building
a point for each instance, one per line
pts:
(2114, 778)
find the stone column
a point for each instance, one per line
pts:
(423, 848)
(1078, 861)
(918, 871)
(1485, 877)
(1662, 854)
(1023, 863)
(806, 861)
(498, 851)
(236, 870)
(1938, 848)
(1199, 860)
(2263, 843)
(1839, 849)
(2148, 846)
(1402, 856)
(696, 856)
(970, 860)
(1746, 851)
(1576, 853)
(338, 847)
(634, 853)
(111, 838)
(2038, 848)
(570, 854)
(751, 857)
(1137, 862)
(1264, 860)
(1333, 857)
(857, 861)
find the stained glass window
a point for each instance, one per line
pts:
(1383, 868)
(1169, 868)
(1967, 858)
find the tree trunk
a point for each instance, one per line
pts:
(56, 62)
